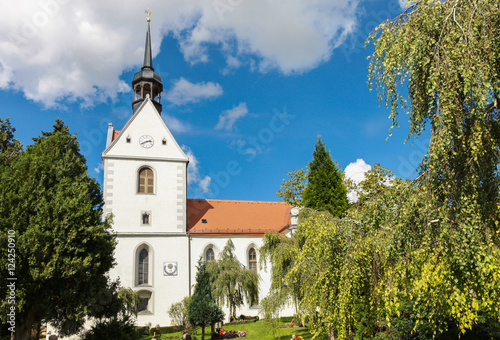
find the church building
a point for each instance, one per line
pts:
(161, 233)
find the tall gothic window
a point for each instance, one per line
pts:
(146, 181)
(210, 256)
(252, 259)
(143, 267)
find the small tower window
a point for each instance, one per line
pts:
(128, 139)
(146, 181)
(146, 218)
(164, 141)
(210, 256)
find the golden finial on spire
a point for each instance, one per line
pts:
(149, 14)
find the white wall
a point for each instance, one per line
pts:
(242, 243)
(167, 205)
(164, 289)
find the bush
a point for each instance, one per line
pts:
(241, 322)
(244, 319)
(114, 328)
(165, 330)
(286, 319)
(178, 314)
(143, 330)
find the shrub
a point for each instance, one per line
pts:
(114, 328)
(142, 330)
(165, 330)
(178, 314)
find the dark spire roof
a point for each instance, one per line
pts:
(148, 57)
(147, 71)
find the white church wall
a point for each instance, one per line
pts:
(242, 243)
(146, 122)
(166, 206)
(164, 289)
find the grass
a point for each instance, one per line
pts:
(256, 330)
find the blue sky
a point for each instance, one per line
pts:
(248, 85)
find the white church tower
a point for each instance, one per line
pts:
(145, 189)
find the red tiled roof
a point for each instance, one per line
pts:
(115, 134)
(236, 217)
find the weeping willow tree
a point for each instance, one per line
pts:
(419, 259)
(280, 251)
(445, 240)
(232, 283)
(331, 268)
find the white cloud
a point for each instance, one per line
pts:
(204, 184)
(185, 92)
(175, 125)
(228, 117)
(58, 51)
(99, 168)
(193, 174)
(292, 36)
(356, 172)
(405, 3)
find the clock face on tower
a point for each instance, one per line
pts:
(146, 141)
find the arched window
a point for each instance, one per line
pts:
(210, 256)
(143, 267)
(252, 259)
(146, 303)
(146, 181)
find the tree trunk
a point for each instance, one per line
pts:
(23, 327)
(331, 335)
(230, 312)
(203, 332)
(38, 330)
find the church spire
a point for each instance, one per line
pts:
(148, 56)
(147, 83)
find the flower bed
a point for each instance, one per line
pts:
(225, 334)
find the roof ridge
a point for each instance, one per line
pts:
(245, 201)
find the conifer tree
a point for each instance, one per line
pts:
(202, 311)
(326, 189)
(51, 216)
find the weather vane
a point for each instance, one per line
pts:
(149, 14)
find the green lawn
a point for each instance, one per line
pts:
(255, 330)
